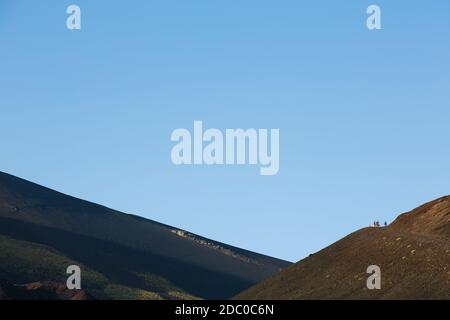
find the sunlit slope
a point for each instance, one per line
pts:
(413, 254)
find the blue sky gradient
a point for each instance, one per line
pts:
(363, 115)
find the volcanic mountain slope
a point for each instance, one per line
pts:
(122, 256)
(413, 254)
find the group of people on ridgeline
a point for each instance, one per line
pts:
(377, 224)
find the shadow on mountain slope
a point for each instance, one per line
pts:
(124, 265)
(131, 255)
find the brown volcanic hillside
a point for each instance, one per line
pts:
(433, 218)
(413, 254)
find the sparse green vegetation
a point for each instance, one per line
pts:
(119, 292)
(165, 287)
(29, 262)
(26, 262)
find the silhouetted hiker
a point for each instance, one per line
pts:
(385, 223)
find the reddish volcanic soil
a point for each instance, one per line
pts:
(42, 290)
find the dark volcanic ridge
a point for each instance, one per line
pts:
(122, 256)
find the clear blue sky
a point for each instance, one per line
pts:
(363, 115)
